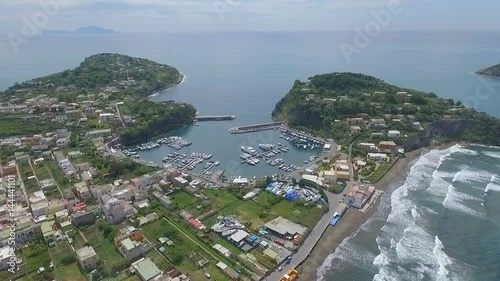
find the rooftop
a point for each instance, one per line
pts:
(85, 253)
(284, 226)
(146, 268)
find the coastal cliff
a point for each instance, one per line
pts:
(329, 104)
(493, 71)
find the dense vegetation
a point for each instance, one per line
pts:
(134, 77)
(319, 105)
(103, 78)
(493, 71)
(155, 118)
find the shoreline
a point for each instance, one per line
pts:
(181, 80)
(353, 219)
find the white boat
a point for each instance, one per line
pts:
(248, 149)
(245, 156)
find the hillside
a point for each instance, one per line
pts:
(116, 74)
(102, 83)
(493, 71)
(322, 104)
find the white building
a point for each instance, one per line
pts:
(378, 156)
(393, 134)
(106, 117)
(87, 257)
(5, 256)
(113, 209)
(368, 146)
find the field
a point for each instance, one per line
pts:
(35, 257)
(183, 199)
(158, 259)
(378, 173)
(65, 272)
(41, 172)
(104, 248)
(220, 198)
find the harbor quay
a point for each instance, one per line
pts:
(215, 118)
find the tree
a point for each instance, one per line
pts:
(68, 259)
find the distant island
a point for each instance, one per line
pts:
(493, 71)
(83, 30)
(110, 81)
(352, 106)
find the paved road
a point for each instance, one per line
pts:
(318, 230)
(311, 240)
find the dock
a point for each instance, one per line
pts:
(215, 118)
(254, 128)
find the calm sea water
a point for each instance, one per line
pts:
(433, 227)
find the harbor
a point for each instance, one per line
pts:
(192, 139)
(215, 118)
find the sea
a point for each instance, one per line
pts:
(441, 223)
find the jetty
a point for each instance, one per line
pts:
(254, 128)
(215, 118)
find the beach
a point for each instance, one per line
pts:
(353, 219)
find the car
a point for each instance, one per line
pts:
(207, 275)
(280, 268)
(288, 261)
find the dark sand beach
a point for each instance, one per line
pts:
(352, 220)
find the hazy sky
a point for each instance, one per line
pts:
(248, 15)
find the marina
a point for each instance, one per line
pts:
(284, 158)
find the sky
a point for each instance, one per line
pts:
(248, 15)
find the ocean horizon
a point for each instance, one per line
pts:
(441, 223)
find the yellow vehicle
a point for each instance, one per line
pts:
(290, 276)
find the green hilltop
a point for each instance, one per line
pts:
(322, 104)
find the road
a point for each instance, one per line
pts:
(120, 115)
(318, 230)
(311, 240)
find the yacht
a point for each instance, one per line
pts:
(249, 150)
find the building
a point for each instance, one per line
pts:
(285, 228)
(180, 181)
(359, 194)
(113, 209)
(146, 181)
(238, 237)
(87, 257)
(48, 233)
(63, 220)
(329, 177)
(133, 249)
(5, 257)
(393, 134)
(355, 130)
(146, 269)
(106, 117)
(377, 123)
(223, 250)
(367, 146)
(98, 133)
(387, 146)
(378, 156)
(81, 191)
(83, 218)
(164, 200)
(354, 121)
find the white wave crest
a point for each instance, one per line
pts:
(460, 149)
(491, 154)
(443, 260)
(493, 185)
(469, 175)
(454, 201)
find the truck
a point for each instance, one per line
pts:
(290, 276)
